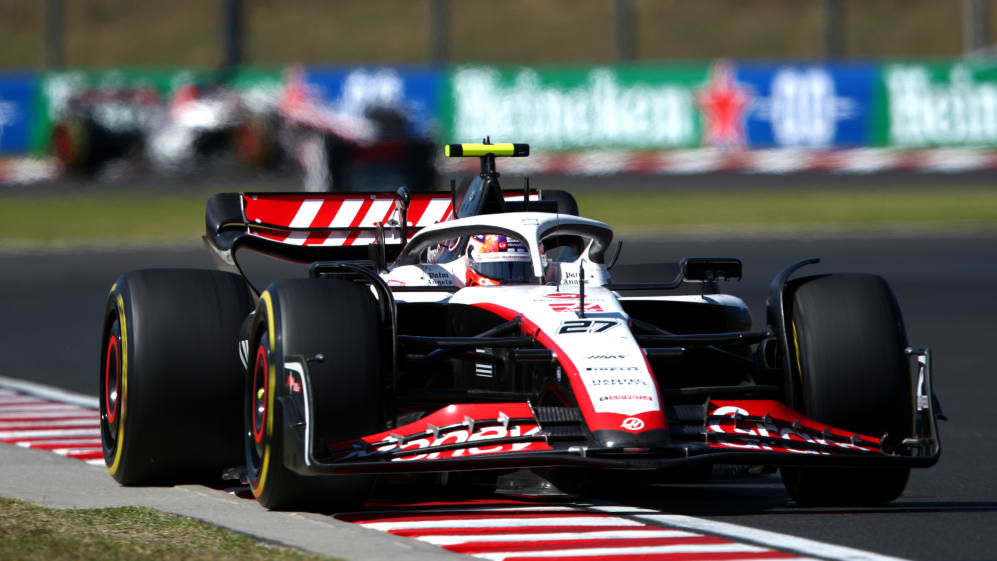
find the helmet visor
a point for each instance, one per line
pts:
(515, 272)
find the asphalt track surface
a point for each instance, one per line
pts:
(51, 305)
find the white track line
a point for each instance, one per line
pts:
(68, 412)
(639, 550)
(43, 433)
(48, 392)
(744, 533)
(50, 423)
(502, 523)
(41, 406)
(471, 509)
(557, 536)
(46, 444)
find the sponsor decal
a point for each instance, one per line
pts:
(438, 277)
(586, 325)
(619, 382)
(574, 307)
(770, 431)
(632, 423)
(625, 397)
(562, 295)
(482, 435)
(293, 384)
(606, 357)
(572, 277)
(612, 369)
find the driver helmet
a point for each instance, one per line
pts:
(495, 259)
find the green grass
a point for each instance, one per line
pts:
(28, 531)
(140, 219)
(805, 210)
(101, 218)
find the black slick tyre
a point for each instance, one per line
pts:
(309, 317)
(170, 376)
(847, 337)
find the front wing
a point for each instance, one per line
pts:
(519, 435)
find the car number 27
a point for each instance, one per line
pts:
(586, 326)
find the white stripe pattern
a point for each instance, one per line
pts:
(511, 522)
(640, 550)
(306, 213)
(577, 533)
(45, 420)
(49, 423)
(559, 536)
(346, 213)
(435, 212)
(45, 433)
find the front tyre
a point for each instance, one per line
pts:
(308, 317)
(848, 340)
(170, 376)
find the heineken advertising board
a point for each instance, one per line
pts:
(650, 107)
(807, 105)
(634, 107)
(732, 104)
(937, 104)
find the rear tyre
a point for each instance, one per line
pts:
(308, 317)
(170, 376)
(848, 337)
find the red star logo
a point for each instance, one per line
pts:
(724, 104)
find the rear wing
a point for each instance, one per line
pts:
(308, 227)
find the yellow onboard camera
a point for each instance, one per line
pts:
(486, 149)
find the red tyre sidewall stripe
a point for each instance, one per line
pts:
(111, 412)
(260, 355)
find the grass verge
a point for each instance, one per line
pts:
(28, 531)
(116, 218)
(102, 218)
(794, 211)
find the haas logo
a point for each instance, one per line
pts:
(632, 423)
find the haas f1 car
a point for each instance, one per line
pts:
(481, 329)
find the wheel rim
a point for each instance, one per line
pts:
(256, 408)
(259, 397)
(110, 389)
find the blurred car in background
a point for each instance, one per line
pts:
(176, 134)
(366, 145)
(98, 125)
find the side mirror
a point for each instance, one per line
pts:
(710, 269)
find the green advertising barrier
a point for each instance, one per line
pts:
(122, 105)
(936, 104)
(633, 107)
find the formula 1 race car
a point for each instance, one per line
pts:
(481, 329)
